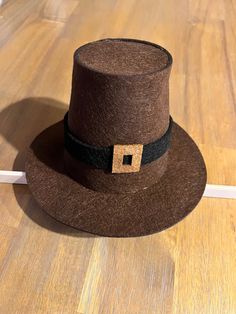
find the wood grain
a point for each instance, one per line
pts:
(46, 267)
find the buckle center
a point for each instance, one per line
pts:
(127, 158)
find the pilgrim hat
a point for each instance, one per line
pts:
(117, 164)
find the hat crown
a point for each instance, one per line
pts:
(120, 96)
(120, 92)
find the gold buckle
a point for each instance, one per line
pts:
(127, 158)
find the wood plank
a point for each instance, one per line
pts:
(205, 267)
(102, 275)
(58, 11)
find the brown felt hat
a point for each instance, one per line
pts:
(117, 164)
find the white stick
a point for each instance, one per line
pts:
(220, 191)
(12, 177)
(211, 190)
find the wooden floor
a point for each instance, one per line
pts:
(46, 267)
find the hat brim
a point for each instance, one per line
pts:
(148, 211)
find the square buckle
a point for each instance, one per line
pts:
(127, 158)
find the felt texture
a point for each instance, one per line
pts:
(120, 95)
(150, 210)
(123, 56)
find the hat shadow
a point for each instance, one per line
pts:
(38, 108)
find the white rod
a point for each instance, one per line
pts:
(220, 191)
(12, 177)
(211, 190)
